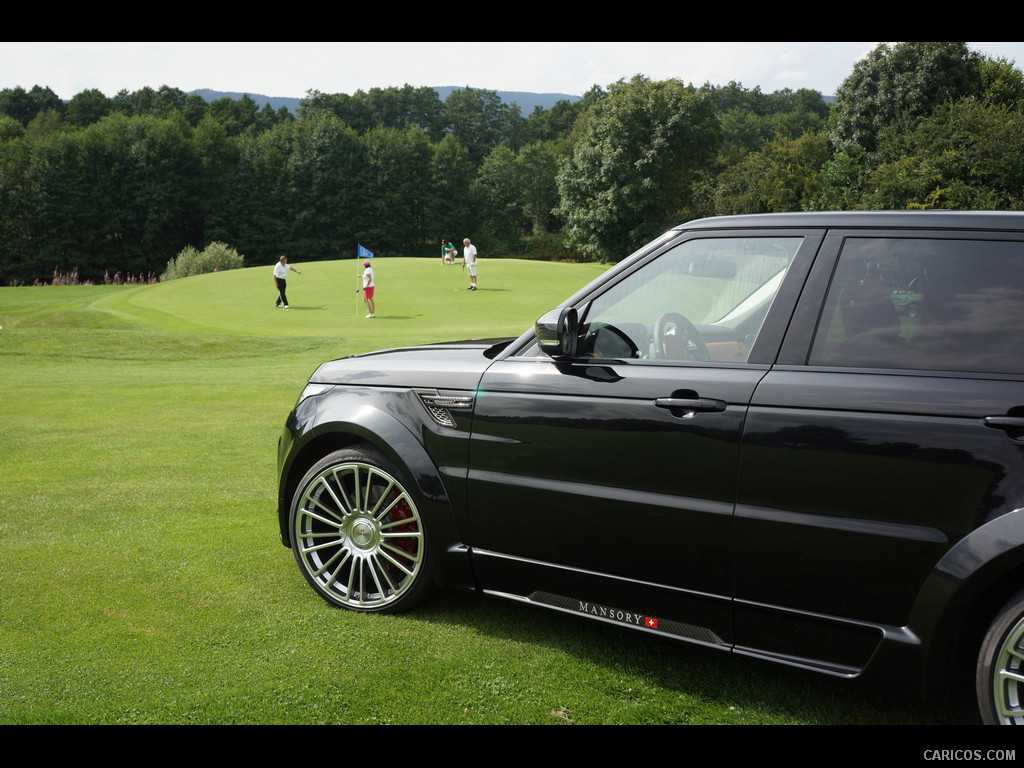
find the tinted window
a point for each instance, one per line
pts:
(948, 305)
(703, 300)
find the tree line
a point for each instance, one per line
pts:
(125, 183)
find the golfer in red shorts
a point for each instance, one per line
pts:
(368, 288)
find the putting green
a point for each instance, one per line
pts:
(417, 300)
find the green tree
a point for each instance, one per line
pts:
(498, 193)
(236, 115)
(966, 154)
(268, 117)
(907, 78)
(114, 195)
(215, 213)
(479, 120)
(538, 164)
(10, 128)
(15, 202)
(554, 124)
(1002, 83)
(397, 190)
(783, 176)
(352, 110)
(630, 176)
(45, 123)
(750, 119)
(194, 108)
(451, 212)
(163, 102)
(382, 107)
(87, 107)
(407, 106)
(24, 105)
(840, 183)
(301, 187)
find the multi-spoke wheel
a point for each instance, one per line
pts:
(1000, 680)
(357, 534)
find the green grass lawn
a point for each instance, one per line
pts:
(141, 576)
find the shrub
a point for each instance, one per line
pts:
(217, 257)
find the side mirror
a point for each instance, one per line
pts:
(558, 332)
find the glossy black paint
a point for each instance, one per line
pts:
(848, 520)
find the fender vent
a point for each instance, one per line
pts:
(439, 405)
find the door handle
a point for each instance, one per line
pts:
(687, 406)
(1013, 426)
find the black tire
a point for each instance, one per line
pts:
(357, 533)
(1000, 673)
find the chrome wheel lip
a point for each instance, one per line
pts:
(1008, 677)
(348, 530)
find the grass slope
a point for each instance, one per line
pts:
(141, 579)
(416, 298)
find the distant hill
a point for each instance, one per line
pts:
(275, 102)
(526, 101)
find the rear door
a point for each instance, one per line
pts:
(889, 430)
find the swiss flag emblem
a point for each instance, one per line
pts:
(651, 623)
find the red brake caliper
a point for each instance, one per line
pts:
(401, 511)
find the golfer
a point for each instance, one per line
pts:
(368, 288)
(280, 273)
(448, 252)
(469, 262)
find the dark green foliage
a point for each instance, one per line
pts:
(517, 193)
(112, 196)
(300, 185)
(24, 105)
(783, 176)
(555, 124)
(88, 107)
(385, 107)
(631, 173)
(451, 209)
(907, 78)
(480, 121)
(965, 155)
(397, 190)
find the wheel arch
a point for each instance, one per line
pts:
(335, 429)
(962, 596)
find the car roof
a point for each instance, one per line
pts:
(953, 220)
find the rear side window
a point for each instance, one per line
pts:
(925, 304)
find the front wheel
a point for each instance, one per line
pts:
(357, 534)
(1000, 674)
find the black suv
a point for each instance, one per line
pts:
(798, 437)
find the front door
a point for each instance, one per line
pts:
(606, 483)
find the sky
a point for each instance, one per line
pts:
(291, 69)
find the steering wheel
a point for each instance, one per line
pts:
(676, 338)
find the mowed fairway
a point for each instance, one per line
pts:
(141, 576)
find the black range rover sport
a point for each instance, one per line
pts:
(798, 437)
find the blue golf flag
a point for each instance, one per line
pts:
(365, 254)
